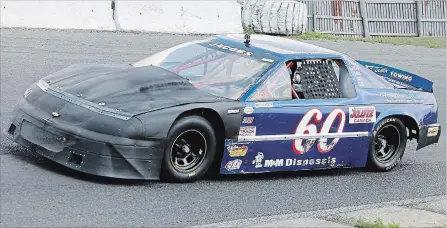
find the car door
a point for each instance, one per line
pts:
(280, 133)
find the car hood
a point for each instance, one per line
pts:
(126, 88)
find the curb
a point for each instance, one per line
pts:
(419, 212)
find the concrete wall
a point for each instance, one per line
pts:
(203, 17)
(57, 14)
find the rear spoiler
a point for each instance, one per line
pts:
(399, 77)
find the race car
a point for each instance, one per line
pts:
(227, 104)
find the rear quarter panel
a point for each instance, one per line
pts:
(421, 106)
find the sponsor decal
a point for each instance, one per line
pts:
(400, 97)
(237, 151)
(230, 141)
(308, 125)
(432, 131)
(377, 69)
(233, 164)
(397, 95)
(264, 105)
(267, 60)
(259, 162)
(365, 114)
(27, 92)
(248, 110)
(233, 111)
(232, 49)
(247, 131)
(248, 120)
(397, 82)
(401, 76)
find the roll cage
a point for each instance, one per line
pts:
(343, 82)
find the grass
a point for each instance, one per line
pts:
(378, 223)
(430, 42)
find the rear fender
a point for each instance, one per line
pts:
(399, 77)
(390, 113)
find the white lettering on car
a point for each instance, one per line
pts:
(232, 49)
(259, 162)
(401, 76)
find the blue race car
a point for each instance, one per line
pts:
(228, 104)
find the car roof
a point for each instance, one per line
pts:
(280, 46)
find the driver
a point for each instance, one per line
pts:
(291, 67)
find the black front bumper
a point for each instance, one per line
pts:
(138, 160)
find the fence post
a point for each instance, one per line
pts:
(364, 15)
(314, 19)
(419, 17)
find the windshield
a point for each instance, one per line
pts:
(212, 67)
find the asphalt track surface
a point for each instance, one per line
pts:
(36, 192)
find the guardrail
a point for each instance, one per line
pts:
(377, 18)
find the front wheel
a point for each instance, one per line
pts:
(387, 146)
(190, 150)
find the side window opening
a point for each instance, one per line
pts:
(307, 79)
(322, 79)
(275, 88)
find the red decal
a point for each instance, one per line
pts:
(363, 114)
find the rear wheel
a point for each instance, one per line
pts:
(388, 145)
(190, 150)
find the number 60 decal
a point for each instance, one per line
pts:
(307, 127)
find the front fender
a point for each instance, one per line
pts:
(158, 123)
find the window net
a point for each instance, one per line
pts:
(318, 79)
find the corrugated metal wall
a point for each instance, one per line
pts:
(375, 18)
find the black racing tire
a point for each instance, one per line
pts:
(388, 134)
(186, 138)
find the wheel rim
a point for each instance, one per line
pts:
(387, 143)
(188, 151)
